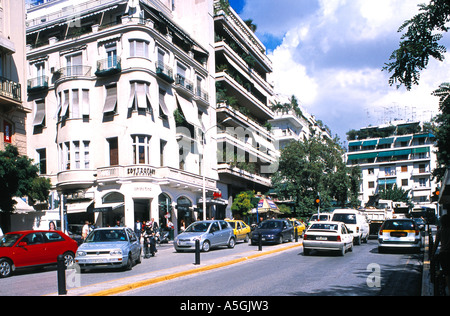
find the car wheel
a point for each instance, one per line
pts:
(357, 241)
(68, 259)
(231, 243)
(5, 268)
(342, 251)
(280, 240)
(129, 265)
(306, 252)
(206, 246)
(247, 237)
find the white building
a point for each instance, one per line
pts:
(121, 92)
(401, 153)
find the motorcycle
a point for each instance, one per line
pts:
(162, 236)
(149, 245)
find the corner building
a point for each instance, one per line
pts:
(121, 93)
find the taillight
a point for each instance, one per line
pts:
(357, 229)
(305, 237)
(417, 232)
(381, 232)
(338, 238)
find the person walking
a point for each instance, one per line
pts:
(443, 238)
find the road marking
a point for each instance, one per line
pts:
(143, 283)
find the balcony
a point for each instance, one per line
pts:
(184, 85)
(75, 71)
(164, 72)
(10, 89)
(201, 96)
(108, 67)
(37, 84)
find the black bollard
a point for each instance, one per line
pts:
(197, 252)
(61, 276)
(260, 242)
(296, 234)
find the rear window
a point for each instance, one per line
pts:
(399, 225)
(345, 218)
(321, 226)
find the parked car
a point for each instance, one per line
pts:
(212, 233)
(399, 233)
(241, 229)
(111, 247)
(356, 223)
(328, 236)
(273, 231)
(33, 248)
(420, 223)
(298, 226)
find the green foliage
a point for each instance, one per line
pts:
(395, 194)
(442, 131)
(315, 166)
(242, 204)
(419, 43)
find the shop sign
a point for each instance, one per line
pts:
(7, 132)
(141, 171)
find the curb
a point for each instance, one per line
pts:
(170, 276)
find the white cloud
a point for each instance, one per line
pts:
(331, 56)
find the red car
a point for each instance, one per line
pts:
(34, 248)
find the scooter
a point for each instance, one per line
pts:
(149, 246)
(162, 236)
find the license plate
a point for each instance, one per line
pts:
(399, 234)
(321, 238)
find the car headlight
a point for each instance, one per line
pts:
(81, 253)
(115, 252)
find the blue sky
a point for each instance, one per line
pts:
(329, 54)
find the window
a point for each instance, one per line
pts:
(113, 151)
(162, 147)
(87, 158)
(111, 53)
(76, 148)
(74, 65)
(422, 182)
(141, 149)
(80, 155)
(39, 114)
(404, 182)
(140, 97)
(139, 48)
(404, 168)
(42, 158)
(371, 184)
(110, 100)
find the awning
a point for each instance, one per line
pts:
(421, 150)
(189, 111)
(362, 156)
(40, 113)
(370, 142)
(111, 100)
(79, 207)
(403, 139)
(385, 141)
(387, 181)
(355, 144)
(425, 135)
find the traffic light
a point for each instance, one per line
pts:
(435, 196)
(317, 201)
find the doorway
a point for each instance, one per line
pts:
(142, 210)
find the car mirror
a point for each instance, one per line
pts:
(22, 244)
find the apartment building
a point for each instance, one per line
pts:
(122, 94)
(400, 153)
(247, 151)
(13, 109)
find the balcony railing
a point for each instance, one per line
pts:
(183, 82)
(108, 67)
(10, 89)
(37, 84)
(202, 95)
(75, 71)
(165, 72)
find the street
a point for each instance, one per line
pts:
(363, 272)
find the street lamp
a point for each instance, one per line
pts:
(203, 162)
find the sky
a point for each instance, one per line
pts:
(330, 55)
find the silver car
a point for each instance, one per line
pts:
(211, 233)
(112, 247)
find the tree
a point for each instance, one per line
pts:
(242, 204)
(395, 194)
(18, 178)
(314, 166)
(442, 131)
(419, 43)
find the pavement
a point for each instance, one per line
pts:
(427, 285)
(121, 285)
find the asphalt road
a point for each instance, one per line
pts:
(363, 272)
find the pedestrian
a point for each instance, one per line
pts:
(138, 229)
(85, 230)
(52, 226)
(443, 238)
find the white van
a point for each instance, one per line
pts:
(355, 222)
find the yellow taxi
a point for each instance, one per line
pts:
(299, 226)
(241, 229)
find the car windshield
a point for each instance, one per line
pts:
(9, 240)
(198, 227)
(321, 218)
(322, 226)
(270, 225)
(107, 235)
(346, 218)
(233, 224)
(399, 225)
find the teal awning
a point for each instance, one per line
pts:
(362, 156)
(370, 142)
(402, 152)
(403, 139)
(387, 181)
(425, 135)
(385, 141)
(421, 150)
(355, 144)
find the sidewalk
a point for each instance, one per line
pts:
(134, 282)
(427, 286)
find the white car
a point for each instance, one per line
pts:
(399, 233)
(327, 236)
(355, 222)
